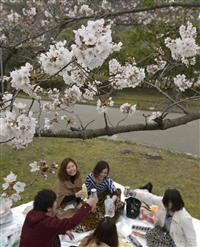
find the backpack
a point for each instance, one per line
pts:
(132, 207)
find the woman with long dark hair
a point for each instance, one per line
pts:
(69, 184)
(105, 235)
(172, 218)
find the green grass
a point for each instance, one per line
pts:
(133, 169)
(145, 100)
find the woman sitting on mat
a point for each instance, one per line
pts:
(100, 180)
(104, 185)
(69, 185)
(172, 218)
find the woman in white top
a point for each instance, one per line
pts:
(171, 215)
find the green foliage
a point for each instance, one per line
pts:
(148, 3)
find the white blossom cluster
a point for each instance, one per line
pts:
(34, 166)
(184, 49)
(56, 58)
(93, 44)
(90, 91)
(182, 83)
(102, 106)
(152, 117)
(13, 17)
(29, 12)
(20, 79)
(43, 168)
(159, 65)
(72, 95)
(127, 108)
(128, 76)
(70, 120)
(105, 5)
(82, 9)
(7, 97)
(17, 127)
(12, 188)
(48, 122)
(73, 74)
(54, 103)
(86, 10)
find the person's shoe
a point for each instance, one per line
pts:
(148, 187)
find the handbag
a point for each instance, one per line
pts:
(132, 207)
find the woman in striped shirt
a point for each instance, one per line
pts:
(104, 185)
(100, 180)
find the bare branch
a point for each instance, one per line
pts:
(122, 120)
(179, 102)
(92, 133)
(9, 140)
(167, 96)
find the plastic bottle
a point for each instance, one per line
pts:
(93, 192)
(109, 207)
(85, 192)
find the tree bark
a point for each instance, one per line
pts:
(92, 133)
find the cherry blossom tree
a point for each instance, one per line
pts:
(77, 64)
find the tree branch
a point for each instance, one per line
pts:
(92, 133)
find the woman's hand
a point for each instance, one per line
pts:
(79, 194)
(114, 198)
(79, 205)
(92, 201)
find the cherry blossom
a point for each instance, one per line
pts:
(106, 5)
(20, 79)
(184, 49)
(102, 106)
(72, 95)
(153, 116)
(127, 76)
(85, 9)
(34, 166)
(7, 98)
(69, 120)
(182, 83)
(20, 127)
(10, 178)
(73, 74)
(11, 185)
(115, 67)
(13, 17)
(159, 65)
(56, 58)
(47, 123)
(93, 44)
(19, 187)
(15, 197)
(127, 108)
(91, 91)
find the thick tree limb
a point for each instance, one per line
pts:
(92, 133)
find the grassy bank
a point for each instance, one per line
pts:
(128, 164)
